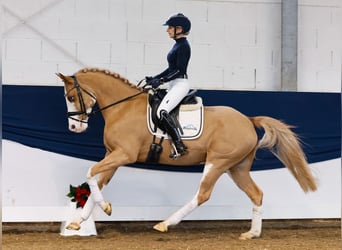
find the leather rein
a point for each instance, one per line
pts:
(83, 110)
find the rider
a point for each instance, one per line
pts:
(176, 75)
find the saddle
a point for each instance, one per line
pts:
(155, 99)
(188, 117)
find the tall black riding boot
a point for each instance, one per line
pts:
(170, 127)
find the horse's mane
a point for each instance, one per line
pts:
(108, 72)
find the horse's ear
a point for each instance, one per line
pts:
(65, 79)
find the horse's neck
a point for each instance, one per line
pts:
(113, 91)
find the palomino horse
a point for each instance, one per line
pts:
(227, 145)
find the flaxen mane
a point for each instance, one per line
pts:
(108, 72)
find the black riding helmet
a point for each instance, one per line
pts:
(179, 20)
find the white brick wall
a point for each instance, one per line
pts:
(320, 46)
(235, 44)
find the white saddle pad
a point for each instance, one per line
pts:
(190, 119)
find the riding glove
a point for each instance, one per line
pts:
(154, 82)
(148, 79)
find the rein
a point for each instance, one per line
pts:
(83, 110)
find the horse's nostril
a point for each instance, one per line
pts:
(73, 126)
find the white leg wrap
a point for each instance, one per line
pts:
(88, 208)
(95, 191)
(181, 213)
(257, 219)
(256, 226)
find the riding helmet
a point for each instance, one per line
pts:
(179, 20)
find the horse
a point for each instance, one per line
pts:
(227, 145)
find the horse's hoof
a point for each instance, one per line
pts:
(161, 227)
(73, 226)
(108, 208)
(249, 235)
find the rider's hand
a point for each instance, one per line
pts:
(155, 82)
(148, 79)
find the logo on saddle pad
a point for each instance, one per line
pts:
(190, 118)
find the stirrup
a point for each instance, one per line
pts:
(175, 153)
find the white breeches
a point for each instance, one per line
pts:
(178, 89)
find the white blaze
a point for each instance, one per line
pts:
(78, 125)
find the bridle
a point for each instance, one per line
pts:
(83, 110)
(79, 90)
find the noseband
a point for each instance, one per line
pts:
(83, 110)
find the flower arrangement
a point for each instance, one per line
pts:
(79, 194)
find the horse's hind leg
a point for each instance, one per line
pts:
(209, 178)
(241, 176)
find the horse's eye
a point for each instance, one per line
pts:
(71, 98)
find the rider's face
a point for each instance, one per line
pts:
(171, 31)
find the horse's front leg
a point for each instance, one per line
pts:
(88, 208)
(111, 162)
(106, 168)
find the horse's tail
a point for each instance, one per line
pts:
(285, 145)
